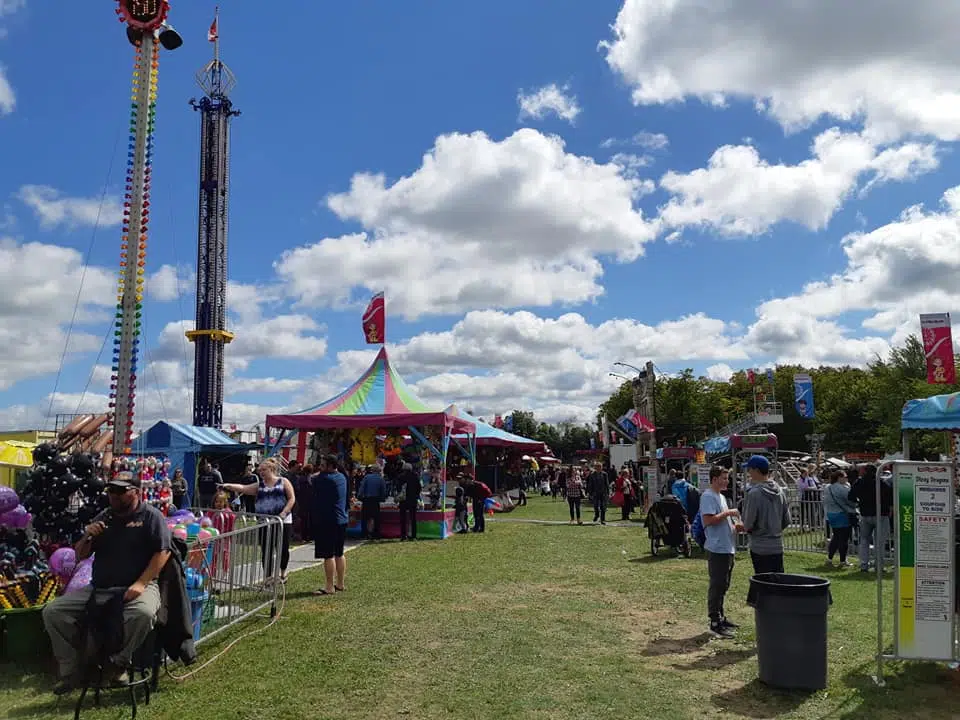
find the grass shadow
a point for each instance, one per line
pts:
(756, 700)
(675, 646)
(718, 661)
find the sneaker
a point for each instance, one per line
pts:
(828, 563)
(66, 685)
(720, 630)
(846, 564)
(729, 625)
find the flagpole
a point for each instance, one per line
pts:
(216, 38)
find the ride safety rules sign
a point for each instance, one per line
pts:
(924, 586)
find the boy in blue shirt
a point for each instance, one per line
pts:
(720, 524)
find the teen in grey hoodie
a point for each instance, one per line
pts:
(765, 516)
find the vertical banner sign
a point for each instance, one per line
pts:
(605, 432)
(938, 348)
(375, 320)
(700, 475)
(649, 486)
(803, 395)
(924, 586)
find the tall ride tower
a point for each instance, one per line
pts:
(210, 333)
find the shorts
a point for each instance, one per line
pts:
(329, 541)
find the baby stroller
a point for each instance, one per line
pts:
(667, 526)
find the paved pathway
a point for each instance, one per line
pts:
(301, 557)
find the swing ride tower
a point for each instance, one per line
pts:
(147, 31)
(210, 335)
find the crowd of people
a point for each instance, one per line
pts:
(601, 488)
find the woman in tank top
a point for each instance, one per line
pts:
(275, 497)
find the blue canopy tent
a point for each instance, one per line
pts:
(940, 412)
(183, 445)
(717, 445)
(489, 436)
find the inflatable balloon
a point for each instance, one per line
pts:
(193, 529)
(212, 532)
(8, 499)
(206, 522)
(63, 562)
(180, 533)
(203, 536)
(16, 519)
(82, 576)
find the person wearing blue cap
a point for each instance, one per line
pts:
(765, 517)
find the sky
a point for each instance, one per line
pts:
(541, 190)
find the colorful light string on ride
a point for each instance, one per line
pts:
(139, 239)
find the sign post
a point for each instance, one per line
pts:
(924, 591)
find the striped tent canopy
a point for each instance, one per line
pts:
(379, 398)
(488, 435)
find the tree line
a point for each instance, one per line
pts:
(857, 409)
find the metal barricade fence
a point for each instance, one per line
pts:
(235, 574)
(809, 530)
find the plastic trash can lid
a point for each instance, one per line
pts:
(789, 585)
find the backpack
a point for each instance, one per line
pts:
(699, 534)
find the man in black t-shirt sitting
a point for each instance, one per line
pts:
(131, 543)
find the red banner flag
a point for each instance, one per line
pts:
(375, 320)
(751, 376)
(213, 34)
(938, 348)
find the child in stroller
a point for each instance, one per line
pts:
(667, 526)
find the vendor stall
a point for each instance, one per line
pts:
(184, 445)
(15, 459)
(378, 419)
(498, 451)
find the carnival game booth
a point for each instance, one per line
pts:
(497, 449)
(379, 419)
(16, 458)
(184, 445)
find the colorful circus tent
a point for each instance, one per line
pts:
(488, 435)
(379, 398)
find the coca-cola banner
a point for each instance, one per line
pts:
(938, 348)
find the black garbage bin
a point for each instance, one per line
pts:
(791, 620)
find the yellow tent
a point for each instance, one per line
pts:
(14, 455)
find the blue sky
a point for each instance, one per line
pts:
(671, 183)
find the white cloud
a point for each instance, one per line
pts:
(53, 210)
(169, 283)
(8, 99)
(548, 100)
(896, 67)
(903, 163)
(739, 193)
(721, 372)
(893, 273)
(643, 139)
(41, 286)
(519, 222)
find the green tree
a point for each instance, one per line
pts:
(617, 404)
(524, 424)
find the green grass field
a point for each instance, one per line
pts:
(525, 621)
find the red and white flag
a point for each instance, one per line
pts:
(213, 34)
(375, 320)
(938, 348)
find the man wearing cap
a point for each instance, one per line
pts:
(131, 543)
(765, 517)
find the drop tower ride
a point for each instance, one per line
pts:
(210, 335)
